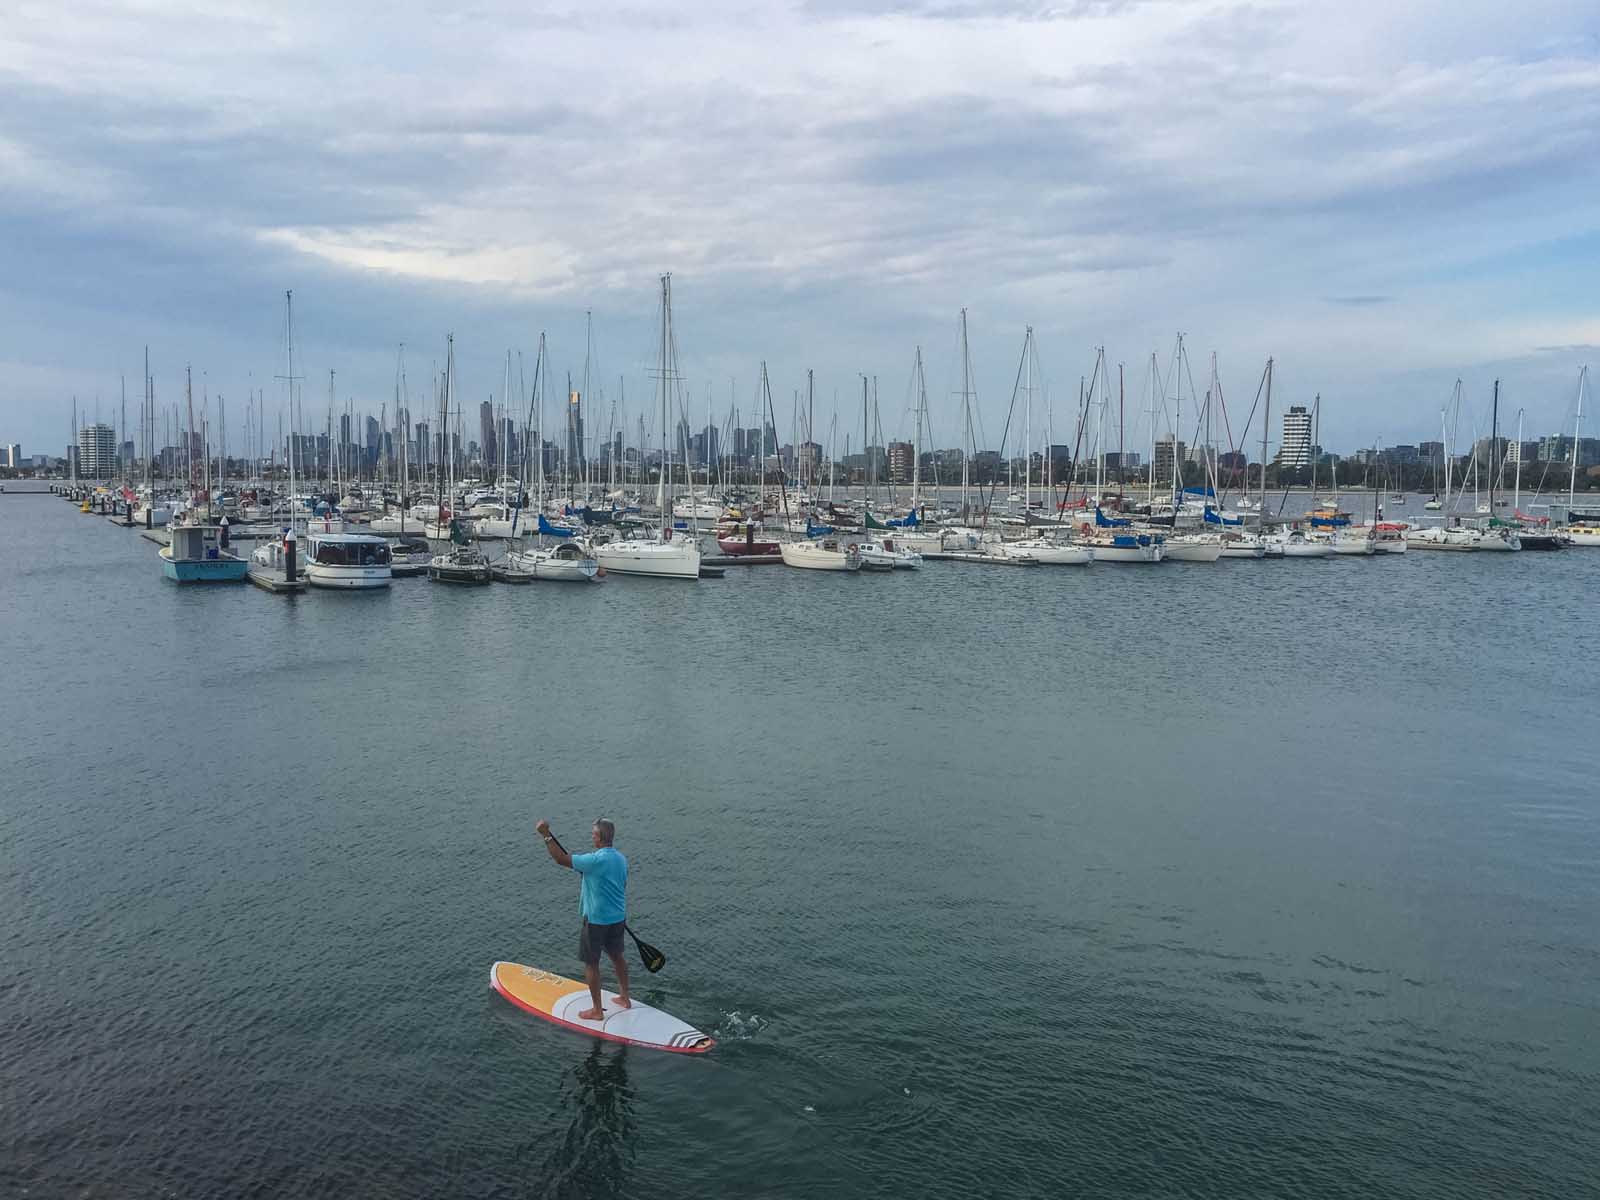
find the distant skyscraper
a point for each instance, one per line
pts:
(11, 455)
(97, 451)
(574, 430)
(1296, 451)
(486, 437)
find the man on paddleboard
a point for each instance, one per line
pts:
(605, 879)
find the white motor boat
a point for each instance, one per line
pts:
(825, 554)
(875, 556)
(566, 562)
(675, 559)
(347, 560)
(1050, 552)
(1192, 547)
(145, 514)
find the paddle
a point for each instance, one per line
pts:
(652, 958)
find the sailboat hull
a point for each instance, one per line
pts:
(660, 560)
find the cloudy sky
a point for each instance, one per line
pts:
(1383, 196)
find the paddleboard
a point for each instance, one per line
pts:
(560, 1000)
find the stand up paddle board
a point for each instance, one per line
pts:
(558, 999)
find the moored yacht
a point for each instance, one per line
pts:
(347, 560)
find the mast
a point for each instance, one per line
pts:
(666, 452)
(1444, 440)
(1155, 393)
(1266, 426)
(1516, 504)
(966, 416)
(1027, 429)
(916, 449)
(1494, 438)
(865, 458)
(1572, 474)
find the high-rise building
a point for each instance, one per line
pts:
(486, 434)
(574, 429)
(900, 462)
(1168, 451)
(11, 455)
(97, 451)
(1296, 449)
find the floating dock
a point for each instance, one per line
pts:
(972, 556)
(740, 560)
(272, 579)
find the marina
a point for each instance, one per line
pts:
(508, 687)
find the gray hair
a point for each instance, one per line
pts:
(606, 828)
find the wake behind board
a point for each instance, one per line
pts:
(560, 1000)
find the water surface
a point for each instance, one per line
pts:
(1244, 879)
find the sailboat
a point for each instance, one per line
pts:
(673, 556)
(464, 562)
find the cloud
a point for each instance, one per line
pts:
(1358, 192)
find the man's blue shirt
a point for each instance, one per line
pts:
(605, 877)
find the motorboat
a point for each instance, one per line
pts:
(566, 562)
(198, 553)
(823, 554)
(874, 557)
(347, 560)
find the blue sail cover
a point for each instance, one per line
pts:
(909, 521)
(560, 531)
(1105, 522)
(1329, 522)
(816, 531)
(1216, 518)
(1200, 491)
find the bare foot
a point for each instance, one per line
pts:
(591, 1014)
(623, 1002)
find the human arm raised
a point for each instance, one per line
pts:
(557, 851)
